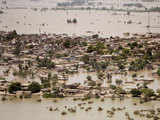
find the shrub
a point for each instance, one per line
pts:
(158, 71)
(135, 92)
(11, 35)
(34, 87)
(134, 75)
(67, 44)
(85, 59)
(119, 82)
(147, 92)
(113, 87)
(46, 63)
(13, 87)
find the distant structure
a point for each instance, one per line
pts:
(150, 0)
(4, 4)
(109, 4)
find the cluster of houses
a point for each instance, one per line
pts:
(67, 52)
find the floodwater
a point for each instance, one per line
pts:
(81, 77)
(30, 109)
(104, 23)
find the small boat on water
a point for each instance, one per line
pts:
(72, 21)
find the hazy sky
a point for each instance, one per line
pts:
(52, 3)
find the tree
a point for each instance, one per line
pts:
(121, 66)
(34, 87)
(103, 65)
(1, 51)
(158, 92)
(119, 82)
(90, 49)
(67, 44)
(18, 48)
(101, 75)
(11, 35)
(85, 59)
(54, 80)
(147, 92)
(158, 71)
(120, 91)
(45, 63)
(13, 87)
(135, 92)
(113, 87)
(89, 78)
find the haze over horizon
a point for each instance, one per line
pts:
(92, 3)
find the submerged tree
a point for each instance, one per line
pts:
(34, 87)
(13, 87)
(18, 48)
(135, 92)
(45, 62)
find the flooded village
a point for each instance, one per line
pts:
(96, 61)
(44, 64)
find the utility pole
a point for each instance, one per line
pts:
(148, 19)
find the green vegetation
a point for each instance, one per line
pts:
(1, 78)
(135, 92)
(56, 93)
(23, 71)
(158, 71)
(99, 48)
(147, 92)
(158, 92)
(45, 62)
(119, 82)
(119, 91)
(45, 82)
(34, 87)
(134, 75)
(138, 64)
(11, 35)
(113, 87)
(13, 87)
(155, 9)
(89, 78)
(49, 95)
(18, 48)
(85, 59)
(67, 44)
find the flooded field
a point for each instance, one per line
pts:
(104, 23)
(31, 109)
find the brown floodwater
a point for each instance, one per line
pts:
(105, 23)
(144, 74)
(30, 109)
